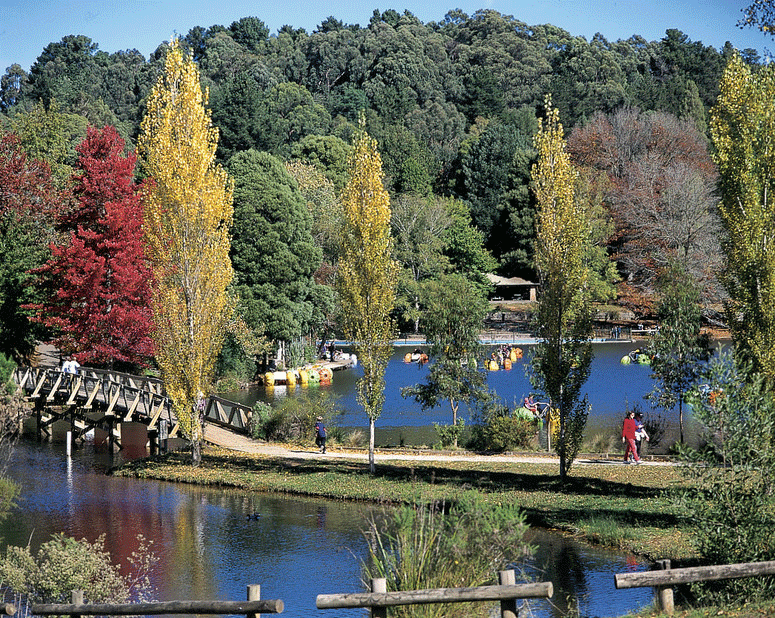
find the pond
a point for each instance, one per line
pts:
(296, 548)
(611, 388)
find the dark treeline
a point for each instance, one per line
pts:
(452, 104)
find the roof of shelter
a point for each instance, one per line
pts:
(498, 280)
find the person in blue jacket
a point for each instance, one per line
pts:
(320, 434)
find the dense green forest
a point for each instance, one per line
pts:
(453, 106)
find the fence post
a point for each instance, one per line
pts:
(76, 597)
(508, 606)
(378, 584)
(664, 593)
(254, 594)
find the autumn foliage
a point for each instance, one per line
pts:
(98, 280)
(660, 194)
(187, 215)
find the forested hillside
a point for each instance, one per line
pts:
(453, 107)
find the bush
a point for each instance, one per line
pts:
(64, 564)
(499, 429)
(449, 434)
(418, 547)
(729, 496)
(234, 366)
(293, 419)
(262, 412)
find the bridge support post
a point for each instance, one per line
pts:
(153, 441)
(111, 420)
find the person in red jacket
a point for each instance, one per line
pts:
(628, 438)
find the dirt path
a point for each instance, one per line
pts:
(226, 439)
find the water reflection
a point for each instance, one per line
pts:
(583, 577)
(212, 543)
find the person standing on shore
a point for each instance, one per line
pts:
(629, 429)
(320, 434)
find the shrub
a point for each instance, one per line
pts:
(729, 496)
(235, 366)
(499, 429)
(417, 547)
(64, 564)
(355, 438)
(262, 412)
(449, 434)
(293, 419)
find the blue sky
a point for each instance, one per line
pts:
(26, 27)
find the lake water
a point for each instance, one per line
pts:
(611, 388)
(296, 549)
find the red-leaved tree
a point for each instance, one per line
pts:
(99, 293)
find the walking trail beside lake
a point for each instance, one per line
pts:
(235, 442)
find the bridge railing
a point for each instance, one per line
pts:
(123, 395)
(229, 414)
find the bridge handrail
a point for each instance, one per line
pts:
(229, 414)
(116, 386)
(149, 383)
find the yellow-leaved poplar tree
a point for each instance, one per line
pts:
(367, 275)
(743, 132)
(187, 215)
(564, 353)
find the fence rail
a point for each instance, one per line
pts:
(250, 608)
(119, 396)
(378, 600)
(664, 577)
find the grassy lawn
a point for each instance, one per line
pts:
(618, 506)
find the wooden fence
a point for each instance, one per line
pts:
(378, 600)
(250, 608)
(664, 578)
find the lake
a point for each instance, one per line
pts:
(611, 388)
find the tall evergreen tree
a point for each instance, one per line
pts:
(188, 213)
(679, 348)
(367, 275)
(273, 251)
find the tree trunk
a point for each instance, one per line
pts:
(454, 418)
(371, 446)
(196, 452)
(562, 438)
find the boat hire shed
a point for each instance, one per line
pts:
(512, 288)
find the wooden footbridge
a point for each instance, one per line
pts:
(102, 401)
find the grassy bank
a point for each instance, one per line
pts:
(617, 506)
